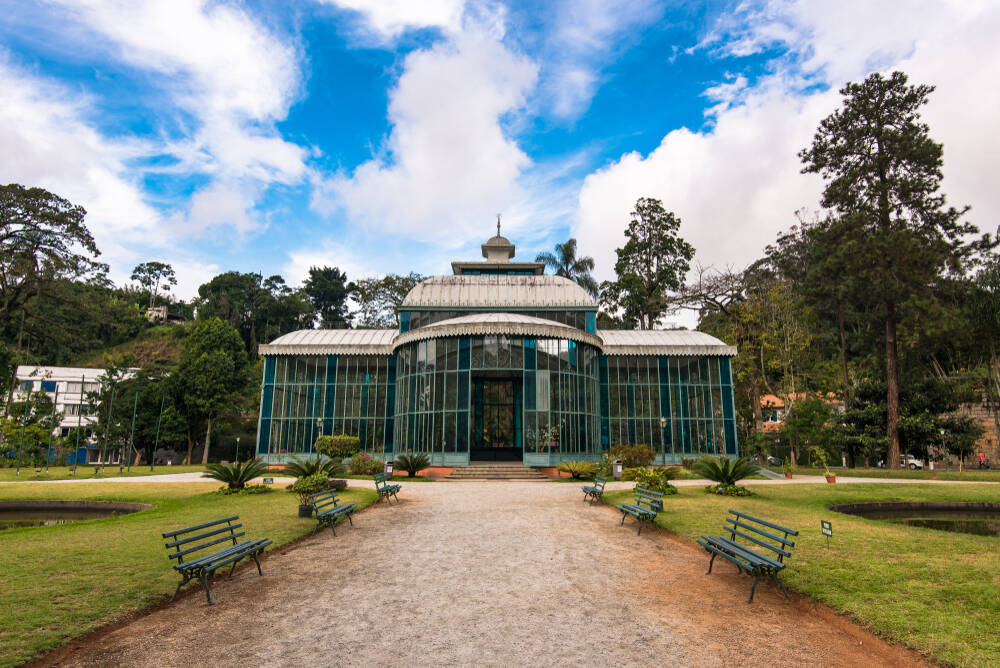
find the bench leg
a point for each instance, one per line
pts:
(256, 561)
(178, 590)
(349, 518)
(233, 569)
(623, 519)
(318, 525)
(752, 589)
(204, 583)
(639, 532)
(332, 522)
(782, 585)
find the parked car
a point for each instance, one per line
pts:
(909, 462)
(773, 461)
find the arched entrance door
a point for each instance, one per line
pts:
(496, 407)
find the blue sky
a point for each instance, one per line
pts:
(386, 136)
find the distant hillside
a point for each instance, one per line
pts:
(160, 343)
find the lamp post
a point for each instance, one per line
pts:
(663, 436)
(237, 449)
(947, 459)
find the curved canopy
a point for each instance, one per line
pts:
(678, 342)
(507, 324)
(497, 292)
(332, 342)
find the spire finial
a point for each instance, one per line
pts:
(498, 224)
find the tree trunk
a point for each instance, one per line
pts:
(843, 351)
(892, 382)
(208, 437)
(187, 460)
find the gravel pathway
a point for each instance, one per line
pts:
(497, 573)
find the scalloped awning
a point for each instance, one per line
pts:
(496, 324)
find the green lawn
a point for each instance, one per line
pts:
(62, 472)
(975, 475)
(62, 581)
(932, 590)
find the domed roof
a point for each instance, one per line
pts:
(488, 324)
(498, 291)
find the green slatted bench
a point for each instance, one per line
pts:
(384, 488)
(752, 559)
(595, 491)
(647, 503)
(188, 541)
(328, 511)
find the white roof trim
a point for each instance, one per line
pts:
(499, 292)
(491, 324)
(332, 342)
(679, 343)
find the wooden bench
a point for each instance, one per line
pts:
(384, 488)
(764, 558)
(595, 491)
(647, 503)
(200, 537)
(328, 511)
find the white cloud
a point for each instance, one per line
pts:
(448, 161)
(47, 142)
(222, 67)
(736, 184)
(389, 18)
(326, 253)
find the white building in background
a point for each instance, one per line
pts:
(68, 387)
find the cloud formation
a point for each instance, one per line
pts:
(736, 183)
(448, 161)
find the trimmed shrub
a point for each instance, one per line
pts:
(307, 486)
(656, 479)
(579, 469)
(728, 490)
(364, 464)
(411, 462)
(338, 447)
(633, 455)
(246, 491)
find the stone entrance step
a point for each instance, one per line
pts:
(495, 471)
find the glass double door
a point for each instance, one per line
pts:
(496, 407)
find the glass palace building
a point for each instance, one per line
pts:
(498, 362)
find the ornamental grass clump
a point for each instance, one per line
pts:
(726, 472)
(579, 470)
(237, 474)
(411, 462)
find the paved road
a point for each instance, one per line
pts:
(496, 573)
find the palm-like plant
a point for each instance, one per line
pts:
(724, 470)
(237, 474)
(565, 263)
(303, 468)
(411, 462)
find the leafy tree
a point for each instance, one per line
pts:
(326, 288)
(108, 406)
(379, 299)
(653, 262)
(150, 274)
(564, 262)
(42, 237)
(212, 371)
(883, 174)
(807, 424)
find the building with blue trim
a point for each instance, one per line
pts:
(498, 362)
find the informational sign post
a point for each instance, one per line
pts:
(827, 530)
(268, 481)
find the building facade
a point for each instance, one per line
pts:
(68, 388)
(498, 362)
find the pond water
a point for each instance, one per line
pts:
(982, 519)
(48, 513)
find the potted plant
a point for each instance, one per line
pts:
(306, 487)
(821, 454)
(787, 469)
